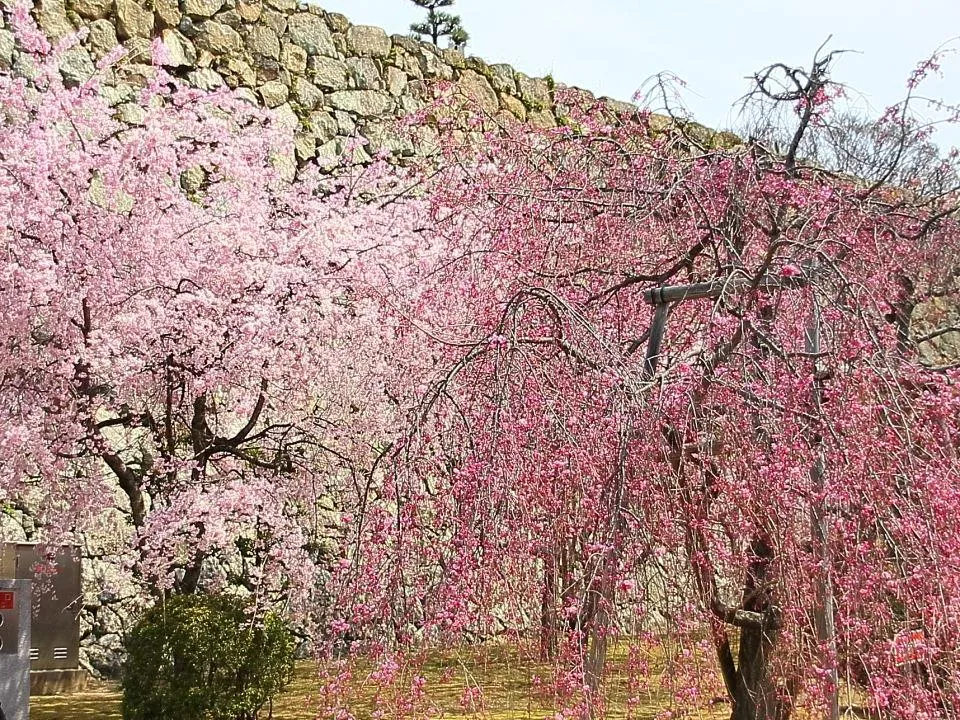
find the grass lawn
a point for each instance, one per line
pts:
(505, 676)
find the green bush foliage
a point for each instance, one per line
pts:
(205, 657)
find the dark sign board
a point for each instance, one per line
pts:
(57, 600)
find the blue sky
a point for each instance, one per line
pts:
(612, 46)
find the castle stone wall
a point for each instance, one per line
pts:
(332, 80)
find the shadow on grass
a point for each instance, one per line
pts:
(506, 679)
(506, 675)
(102, 701)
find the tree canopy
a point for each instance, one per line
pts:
(616, 379)
(186, 334)
(440, 24)
(768, 483)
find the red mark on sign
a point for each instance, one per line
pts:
(909, 647)
(6, 600)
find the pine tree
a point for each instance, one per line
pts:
(440, 24)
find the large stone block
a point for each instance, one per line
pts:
(218, 38)
(396, 81)
(407, 63)
(168, 12)
(119, 93)
(274, 20)
(7, 47)
(477, 65)
(345, 124)
(205, 59)
(352, 152)
(102, 38)
(91, 9)
(139, 53)
(25, 66)
(274, 93)
(247, 95)
(502, 78)
(513, 106)
(133, 20)
(307, 95)
(305, 146)
(51, 16)
(249, 10)
(180, 51)
(419, 89)
(408, 44)
(293, 58)
(328, 155)
(328, 73)
(76, 67)
(263, 42)
(432, 66)
(322, 125)
(231, 18)
(202, 8)
(534, 92)
(205, 79)
(286, 117)
(366, 103)
(337, 22)
(285, 164)
(365, 74)
(268, 70)
(340, 45)
(386, 137)
(541, 119)
(452, 57)
(237, 73)
(476, 89)
(311, 33)
(368, 41)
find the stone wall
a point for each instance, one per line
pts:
(332, 80)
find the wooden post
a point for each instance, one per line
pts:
(661, 298)
(656, 338)
(819, 527)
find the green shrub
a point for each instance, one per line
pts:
(204, 657)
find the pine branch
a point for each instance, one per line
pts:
(440, 24)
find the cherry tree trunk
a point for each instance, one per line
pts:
(596, 655)
(755, 696)
(753, 688)
(549, 618)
